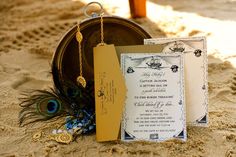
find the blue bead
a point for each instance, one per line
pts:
(69, 126)
(91, 127)
(80, 125)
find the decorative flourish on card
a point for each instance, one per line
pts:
(154, 63)
(177, 47)
(130, 70)
(203, 87)
(101, 93)
(202, 119)
(174, 68)
(128, 136)
(198, 52)
(180, 135)
(154, 136)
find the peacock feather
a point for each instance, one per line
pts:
(72, 101)
(39, 105)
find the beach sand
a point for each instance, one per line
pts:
(30, 31)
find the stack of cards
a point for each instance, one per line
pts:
(166, 88)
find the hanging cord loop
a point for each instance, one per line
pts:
(94, 14)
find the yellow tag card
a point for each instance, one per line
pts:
(110, 93)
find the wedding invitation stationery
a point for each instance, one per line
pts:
(110, 93)
(196, 85)
(155, 102)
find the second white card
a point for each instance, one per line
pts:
(196, 84)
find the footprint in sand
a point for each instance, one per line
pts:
(233, 85)
(39, 36)
(231, 152)
(24, 83)
(22, 80)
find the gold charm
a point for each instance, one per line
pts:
(79, 37)
(64, 137)
(81, 80)
(37, 136)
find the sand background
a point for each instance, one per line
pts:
(30, 31)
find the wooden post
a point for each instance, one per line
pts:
(137, 8)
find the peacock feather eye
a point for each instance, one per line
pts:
(52, 106)
(49, 107)
(41, 105)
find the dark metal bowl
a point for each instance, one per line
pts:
(117, 31)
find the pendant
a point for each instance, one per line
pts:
(79, 37)
(63, 137)
(81, 80)
(37, 136)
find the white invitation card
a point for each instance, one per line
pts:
(196, 85)
(155, 104)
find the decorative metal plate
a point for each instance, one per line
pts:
(117, 31)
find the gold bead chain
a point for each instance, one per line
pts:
(80, 54)
(102, 33)
(79, 37)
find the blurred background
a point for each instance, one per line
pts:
(214, 19)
